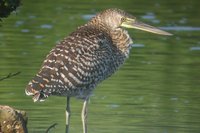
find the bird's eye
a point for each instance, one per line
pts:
(123, 19)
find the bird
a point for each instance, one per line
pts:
(85, 58)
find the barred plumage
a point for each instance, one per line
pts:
(79, 62)
(86, 57)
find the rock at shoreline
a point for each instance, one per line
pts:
(12, 120)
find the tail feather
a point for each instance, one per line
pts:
(39, 97)
(29, 90)
(35, 88)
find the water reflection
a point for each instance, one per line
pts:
(181, 28)
(19, 23)
(25, 30)
(87, 16)
(39, 36)
(151, 16)
(196, 48)
(46, 26)
(138, 45)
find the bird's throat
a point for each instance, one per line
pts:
(122, 40)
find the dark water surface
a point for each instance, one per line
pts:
(156, 91)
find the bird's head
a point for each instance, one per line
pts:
(115, 18)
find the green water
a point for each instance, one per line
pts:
(156, 91)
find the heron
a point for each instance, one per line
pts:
(86, 57)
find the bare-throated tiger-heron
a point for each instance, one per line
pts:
(89, 55)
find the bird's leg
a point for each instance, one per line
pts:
(67, 114)
(84, 115)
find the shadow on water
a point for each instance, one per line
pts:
(156, 91)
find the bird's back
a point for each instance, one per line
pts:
(76, 65)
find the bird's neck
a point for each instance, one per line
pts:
(122, 40)
(95, 22)
(120, 37)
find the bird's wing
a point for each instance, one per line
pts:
(78, 62)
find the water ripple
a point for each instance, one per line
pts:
(151, 16)
(18, 23)
(88, 16)
(46, 26)
(138, 45)
(196, 48)
(25, 30)
(180, 28)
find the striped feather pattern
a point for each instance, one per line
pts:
(82, 60)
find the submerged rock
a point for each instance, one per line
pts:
(12, 120)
